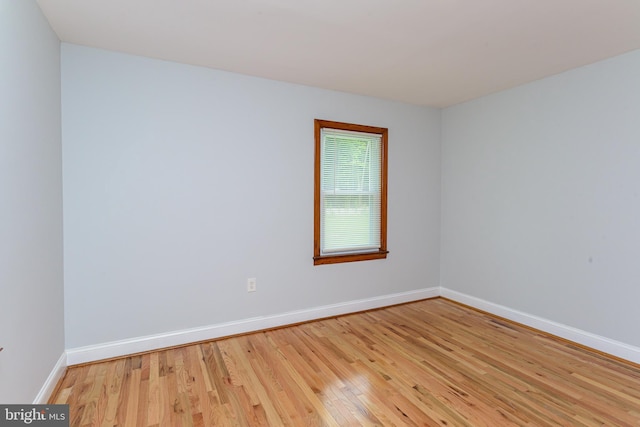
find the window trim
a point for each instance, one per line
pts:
(382, 252)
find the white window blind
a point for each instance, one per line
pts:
(350, 191)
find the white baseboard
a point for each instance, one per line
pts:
(603, 344)
(152, 342)
(52, 380)
(108, 350)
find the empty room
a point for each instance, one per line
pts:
(281, 212)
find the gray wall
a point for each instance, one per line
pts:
(31, 305)
(541, 198)
(181, 182)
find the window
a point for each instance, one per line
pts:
(350, 206)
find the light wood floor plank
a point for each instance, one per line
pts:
(428, 363)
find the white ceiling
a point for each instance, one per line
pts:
(426, 52)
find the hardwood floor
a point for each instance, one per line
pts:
(426, 363)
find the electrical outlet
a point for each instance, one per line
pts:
(251, 284)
